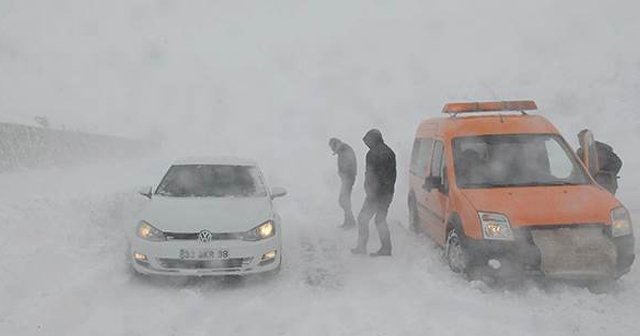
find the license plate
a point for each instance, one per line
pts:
(220, 254)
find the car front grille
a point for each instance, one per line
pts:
(194, 236)
(234, 263)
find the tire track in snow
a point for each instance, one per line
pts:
(321, 262)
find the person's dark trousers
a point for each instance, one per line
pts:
(377, 206)
(345, 202)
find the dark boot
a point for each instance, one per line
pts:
(359, 250)
(381, 253)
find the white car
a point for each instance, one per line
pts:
(209, 216)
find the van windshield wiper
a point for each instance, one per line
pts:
(568, 183)
(487, 185)
(549, 183)
(521, 184)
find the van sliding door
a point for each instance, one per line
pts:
(437, 198)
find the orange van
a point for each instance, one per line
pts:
(502, 192)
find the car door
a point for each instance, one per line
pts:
(437, 197)
(589, 153)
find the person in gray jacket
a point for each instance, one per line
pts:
(347, 170)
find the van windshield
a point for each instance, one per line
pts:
(212, 181)
(515, 161)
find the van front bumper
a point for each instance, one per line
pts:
(524, 256)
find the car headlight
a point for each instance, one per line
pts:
(262, 231)
(495, 226)
(148, 232)
(620, 222)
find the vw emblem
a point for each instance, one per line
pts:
(205, 236)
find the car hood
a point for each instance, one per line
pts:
(216, 214)
(546, 205)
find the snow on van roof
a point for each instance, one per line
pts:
(215, 160)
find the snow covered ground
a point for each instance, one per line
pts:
(64, 272)
(274, 80)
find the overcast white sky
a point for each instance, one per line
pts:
(193, 69)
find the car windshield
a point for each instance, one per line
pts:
(515, 160)
(212, 181)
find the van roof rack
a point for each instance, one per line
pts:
(496, 106)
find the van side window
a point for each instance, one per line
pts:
(437, 162)
(438, 166)
(413, 168)
(420, 156)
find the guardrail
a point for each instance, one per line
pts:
(34, 147)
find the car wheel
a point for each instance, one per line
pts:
(414, 217)
(456, 255)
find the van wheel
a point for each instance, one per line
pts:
(414, 218)
(455, 252)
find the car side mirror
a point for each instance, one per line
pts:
(432, 182)
(146, 191)
(278, 192)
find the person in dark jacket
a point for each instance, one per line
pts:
(609, 163)
(379, 185)
(347, 170)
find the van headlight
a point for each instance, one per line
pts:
(620, 222)
(262, 231)
(495, 226)
(148, 232)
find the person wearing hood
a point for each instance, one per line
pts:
(347, 170)
(379, 185)
(607, 163)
